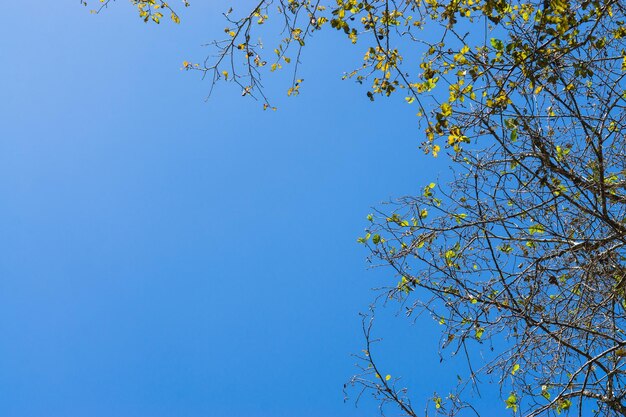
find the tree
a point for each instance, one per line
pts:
(524, 246)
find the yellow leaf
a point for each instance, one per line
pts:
(446, 109)
(175, 18)
(388, 377)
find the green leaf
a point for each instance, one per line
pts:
(563, 405)
(511, 402)
(497, 44)
(479, 332)
(437, 402)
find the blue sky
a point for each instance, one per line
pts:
(167, 256)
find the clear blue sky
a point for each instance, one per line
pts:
(165, 256)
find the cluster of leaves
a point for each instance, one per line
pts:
(149, 10)
(242, 58)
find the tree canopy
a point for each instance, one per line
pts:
(524, 247)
